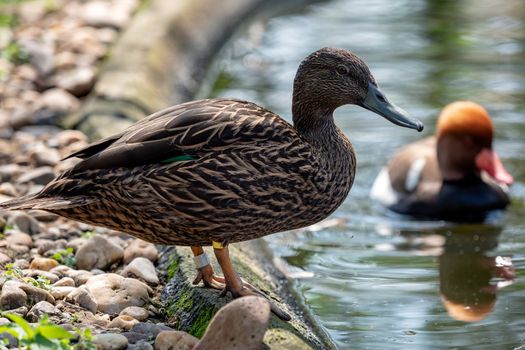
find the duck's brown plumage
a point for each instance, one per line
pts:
(221, 169)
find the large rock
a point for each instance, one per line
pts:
(240, 324)
(139, 248)
(98, 253)
(113, 293)
(143, 269)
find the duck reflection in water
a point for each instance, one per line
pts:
(469, 275)
(469, 278)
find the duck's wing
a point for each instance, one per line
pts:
(187, 129)
(407, 173)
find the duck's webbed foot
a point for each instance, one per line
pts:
(236, 286)
(205, 270)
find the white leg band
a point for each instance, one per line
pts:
(201, 260)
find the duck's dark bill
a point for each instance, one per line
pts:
(377, 103)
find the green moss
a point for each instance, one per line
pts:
(173, 267)
(201, 322)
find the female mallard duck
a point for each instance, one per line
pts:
(219, 171)
(455, 175)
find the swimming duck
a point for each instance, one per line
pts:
(219, 171)
(455, 175)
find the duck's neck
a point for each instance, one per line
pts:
(314, 122)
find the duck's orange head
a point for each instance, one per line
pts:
(466, 118)
(472, 121)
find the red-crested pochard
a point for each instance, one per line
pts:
(455, 175)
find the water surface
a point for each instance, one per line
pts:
(375, 280)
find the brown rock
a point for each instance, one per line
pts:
(240, 324)
(176, 340)
(123, 322)
(44, 264)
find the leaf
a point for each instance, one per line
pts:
(54, 332)
(30, 333)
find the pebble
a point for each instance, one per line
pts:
(177, 340)
(143, 269)
(113, 293)
(228, 330)
(123, 322)
(44, 264)
(98, 252)
(35, 294)
(64, 282)
(12, 296)
(138, 313)
(59, 101)
(19, 238)
(78, 81)
(84, 298)
(43, 156)
(110, 341)
(51, 277)
(139, 248)
(8, 189)
(42, 308)
(61, 292)
(150, 328)
(24, 222)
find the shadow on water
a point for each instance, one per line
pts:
(376, 280)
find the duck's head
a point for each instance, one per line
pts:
(329, 78)
(464, 132)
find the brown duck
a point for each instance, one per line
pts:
(218, 171)
(455, 175)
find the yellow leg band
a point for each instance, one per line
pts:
(217, 245)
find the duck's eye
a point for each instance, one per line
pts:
(342, 70)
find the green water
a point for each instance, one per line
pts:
(375, 280)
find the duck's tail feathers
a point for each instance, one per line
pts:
(45, 203)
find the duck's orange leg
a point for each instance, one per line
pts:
(205, 270)
(235, 285)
